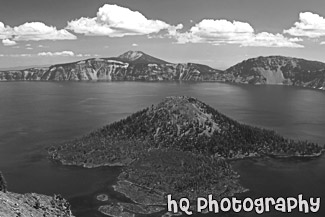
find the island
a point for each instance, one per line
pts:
(182, 147)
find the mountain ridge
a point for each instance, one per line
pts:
(278, 70)
(139, 66)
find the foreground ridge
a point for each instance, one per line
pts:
(31, 204)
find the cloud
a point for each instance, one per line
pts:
(8, 42)
(49, 54)
(83, 55)
(19, 55)
(265, 39)
(117, 21)
(135, 45)
(5, 31)
(220, 32)
(37, 31)
(33, 31)
(62, 53)
(309, 25)
(322, 43)
(42, 46)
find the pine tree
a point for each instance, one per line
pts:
(3, 183)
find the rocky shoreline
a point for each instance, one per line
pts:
(32, 204)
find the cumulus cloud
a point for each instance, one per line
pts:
(5, 31)
(36, 31)
(117, 21)
(61, 53)
(309, 25)
(135, 45)
(219, 32)
(33, 31)
(8, 42)
(265, 39)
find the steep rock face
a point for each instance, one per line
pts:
(91, 69)
(278, 70)
(130, 66)
(32, 74)
(26, 205)
(115, 70)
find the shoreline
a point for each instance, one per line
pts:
(165, 81)
(255, 156)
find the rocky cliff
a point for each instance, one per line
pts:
(27, 205)
(130, 66)
(278, 70)
(31, 74)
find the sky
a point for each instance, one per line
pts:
(218, 33)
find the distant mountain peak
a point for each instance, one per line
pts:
(139, 57)
(131, 55)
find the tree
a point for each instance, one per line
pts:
(3, 183)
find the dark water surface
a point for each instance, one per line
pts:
(34, 115)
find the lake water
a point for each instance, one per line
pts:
(35, 115)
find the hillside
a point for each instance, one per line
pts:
(278, 70)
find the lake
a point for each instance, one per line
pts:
(35, 115)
